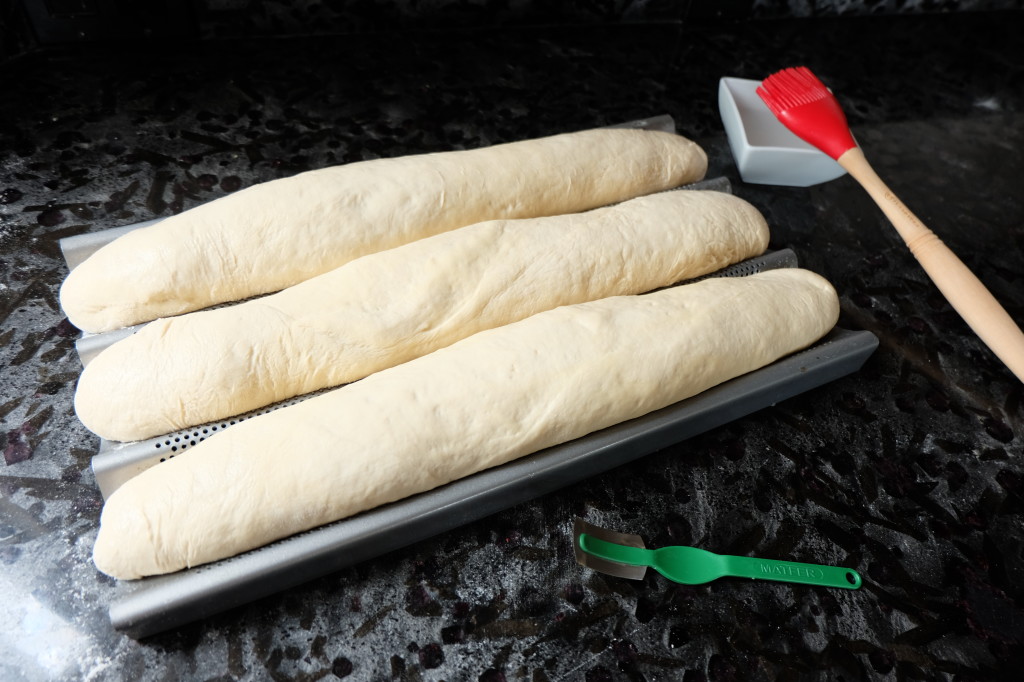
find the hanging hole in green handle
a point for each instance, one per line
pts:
(853, 578)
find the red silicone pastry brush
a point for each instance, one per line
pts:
(804, 105)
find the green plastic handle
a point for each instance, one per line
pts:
(792, 572)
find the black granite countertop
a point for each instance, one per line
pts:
(910, 471)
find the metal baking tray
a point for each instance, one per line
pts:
(151, 605)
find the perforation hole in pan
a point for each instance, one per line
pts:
(182, 442)
(771, 260)
(738, 270)
(176, 443)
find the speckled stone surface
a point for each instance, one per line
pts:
(810, 8)
(277, 17)
(910, 471)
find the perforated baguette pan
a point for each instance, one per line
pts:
(152, 605)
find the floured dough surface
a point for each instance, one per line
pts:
(481, 402)
(279, 233)
(387, 308)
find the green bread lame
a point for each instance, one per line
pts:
(693, 566)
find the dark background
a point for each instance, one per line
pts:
(27, 24)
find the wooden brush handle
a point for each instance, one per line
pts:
(957, 283)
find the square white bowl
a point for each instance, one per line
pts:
(766, 152)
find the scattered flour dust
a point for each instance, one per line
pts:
(49, 646)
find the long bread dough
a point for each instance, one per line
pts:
(386, 308)
(481, 402)
(279, 233)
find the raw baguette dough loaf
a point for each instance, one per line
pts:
(279, 233)
(483, 401)
(386, 308)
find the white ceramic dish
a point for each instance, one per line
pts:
(766, 152)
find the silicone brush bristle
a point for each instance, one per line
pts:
(804, 105)
(790, 88)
